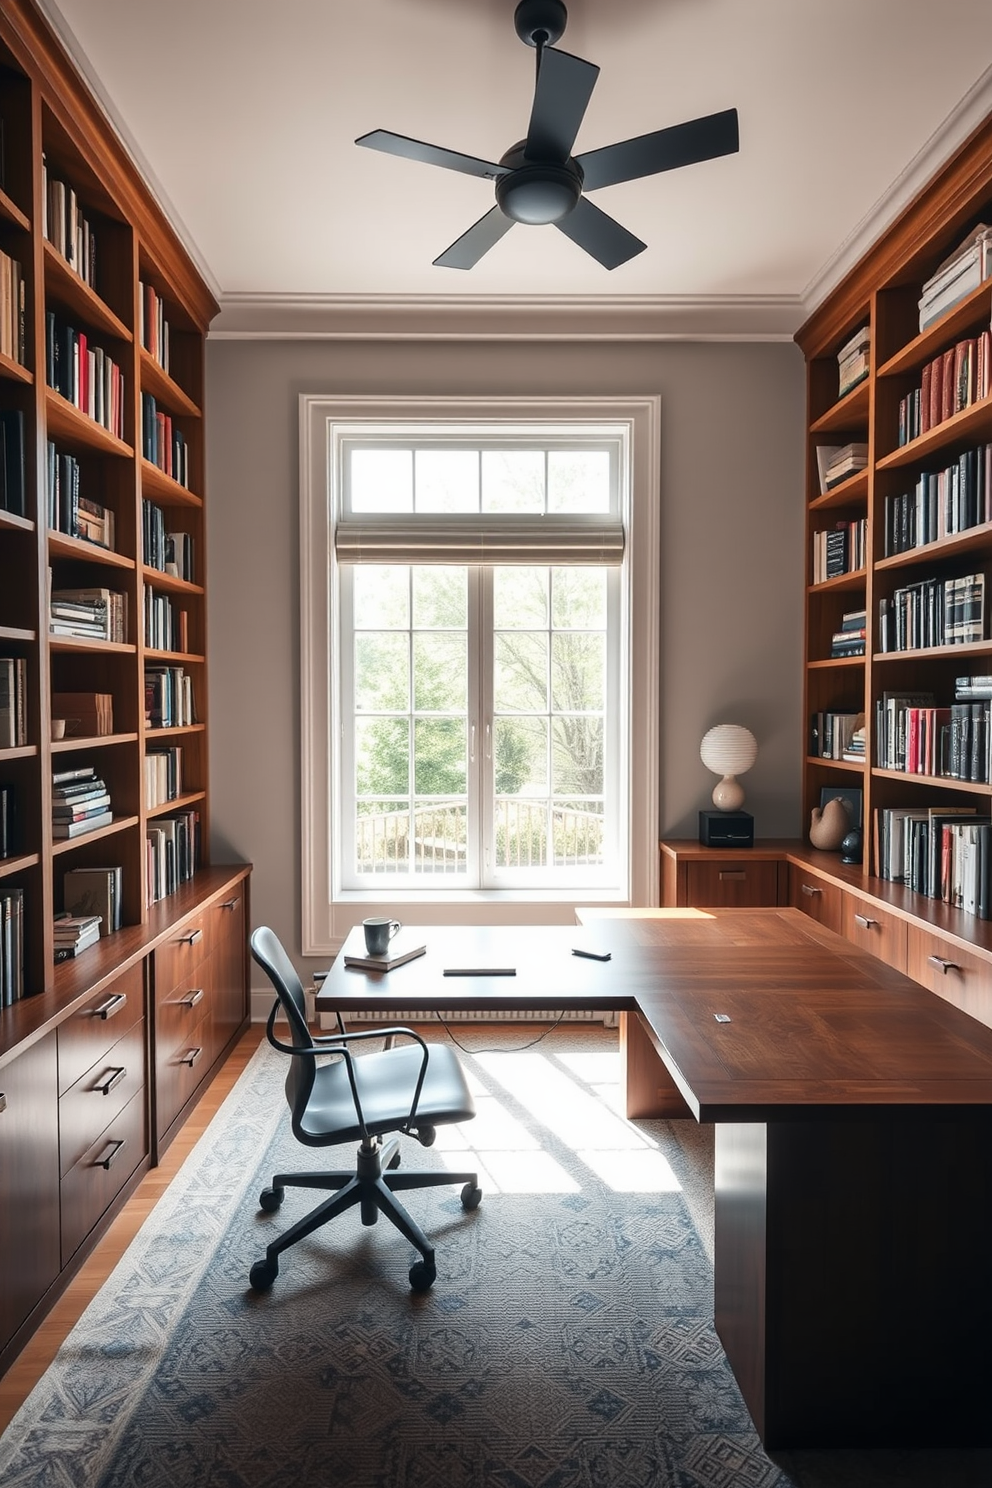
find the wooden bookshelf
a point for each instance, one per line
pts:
(63, 164)
(883, 292)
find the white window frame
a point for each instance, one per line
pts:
(328, 913)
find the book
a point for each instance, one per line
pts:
(95, 892)
(397, 955)
(66, 829)
(12, 484)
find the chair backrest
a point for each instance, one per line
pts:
(269, 952)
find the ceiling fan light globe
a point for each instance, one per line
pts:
(540, 22)
(537, 195)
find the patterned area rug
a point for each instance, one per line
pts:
(568, 1339)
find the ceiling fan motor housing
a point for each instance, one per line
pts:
(537, 191)
(540, 22)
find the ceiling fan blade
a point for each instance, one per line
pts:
(561, 96)
(399, 144)
(665, 149)
(599, 235)
(466, 251)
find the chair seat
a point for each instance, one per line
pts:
(386, 1083)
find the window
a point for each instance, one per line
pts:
(468, 647)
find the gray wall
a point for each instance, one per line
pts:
(732, 565)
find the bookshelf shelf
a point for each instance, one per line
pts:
(156, 484)
(11, 866)
(91, 741)
(65, 419)
(948, 578)
(76, 643)
(65, 289)
(190, 798)
(155, 380)
(14, 370)
(11, 212)
(60, 545)
(119, 824)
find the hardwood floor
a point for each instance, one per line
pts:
(31, 1364)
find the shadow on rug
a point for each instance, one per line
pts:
(568, 1339)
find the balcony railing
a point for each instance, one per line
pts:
(435, 843)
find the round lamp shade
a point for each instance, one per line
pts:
(728, 750)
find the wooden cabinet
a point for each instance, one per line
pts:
(200, 981)
(875, 929)
(958, 975)
(710, 877)
(29, 1183)
(816, 896)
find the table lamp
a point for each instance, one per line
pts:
(728, 750)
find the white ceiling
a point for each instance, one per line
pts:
(243, 113)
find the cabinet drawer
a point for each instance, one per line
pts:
(29, 1182)
(179, 1072)
(100, 1095)
(181, 953)
(875, 930)
(815, 896)
(90, 1032)
(96, 1179)
(959, 976)
(730, 883)
(181, 1009)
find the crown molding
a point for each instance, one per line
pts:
(507, 317)
(960, 123)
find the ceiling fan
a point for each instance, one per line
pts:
(538, 180)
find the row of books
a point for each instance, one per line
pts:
(854, 360)
(172, 852)
(915, 736)
(85, 375)
(153, 328)
(933, 612)
(840, 549)
(850, 639)
(65, 226)
(942, 852)
(12, 319)
(162, 443)
(13, 702)
(169, 699)
(166, 626)
(89, 614)
(957, 276)
(169, 552)
(951, 382)
(80, 802)
(13, 490)
(70, 512)
(11, 945)
(163, 776)
(9, 822)
(836, 463)
(837, 736)
(941, 503)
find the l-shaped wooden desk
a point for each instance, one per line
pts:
(853, 1172)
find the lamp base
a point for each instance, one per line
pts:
(726, 829)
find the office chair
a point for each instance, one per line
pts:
(409, 1088)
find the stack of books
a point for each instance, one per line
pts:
(89, 614)
(80, 802)
(850, 639)
(838, 462)
(854, 360)
(967, 267)
(74, 933)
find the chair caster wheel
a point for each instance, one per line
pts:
(471, 1196)
(270, 1199)
(426, 1135)
(262, 1275)
(422, 1276)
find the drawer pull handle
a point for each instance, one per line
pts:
(738, 874)
(191, 938)
(811, 890)
(229, 904)
(112, 1005)
(190, 1057)
(193, 996)
(3, 1102)
(110, 1154)
(942, 964)
(864, 921)
(111, 1080)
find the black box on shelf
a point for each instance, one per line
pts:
(726, 829)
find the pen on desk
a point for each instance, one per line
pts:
(592, 955)
(480, 971)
